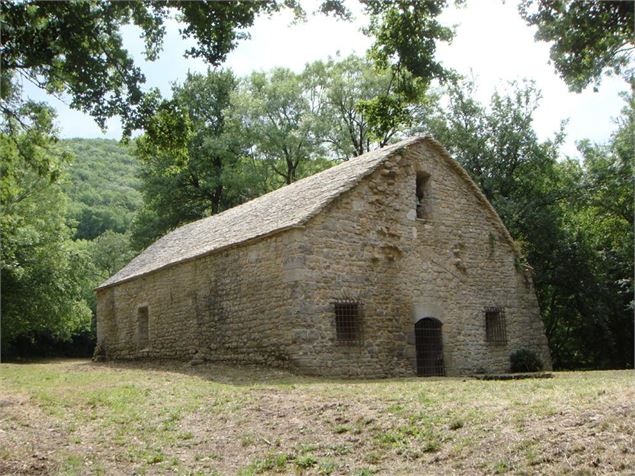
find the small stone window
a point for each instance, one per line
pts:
(142, 327)
(495, 326)
(422, 192)
(348, 319)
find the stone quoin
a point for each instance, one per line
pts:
(392, 263)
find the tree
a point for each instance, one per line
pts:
(110, 252)
(346, 85)
(43, 272)
(76, 48)
(406, 33)
(587, 292)
(606, 214)
(279, 114)
(589, 38)
(189, 157)
(107, 254)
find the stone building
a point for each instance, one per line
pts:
(392, 263)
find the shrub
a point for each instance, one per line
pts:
(525, 360)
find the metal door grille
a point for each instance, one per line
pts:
(495, 325)
(348, 327)
(429, 343)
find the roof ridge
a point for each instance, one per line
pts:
(286, 207)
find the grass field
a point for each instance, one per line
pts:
(78, 417)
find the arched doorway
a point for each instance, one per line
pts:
(429, 344)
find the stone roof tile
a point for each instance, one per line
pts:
(284, 208)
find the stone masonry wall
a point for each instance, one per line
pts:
(271, 301)
(369, 246)
(231, 306)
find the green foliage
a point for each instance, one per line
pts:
(588, 38)
(103, 187)
(347, 83)
(278, 112)
(587, 294)
(76, 47)
(109, 252)
(571, 223)
(42, 269)
(602, 220)
(47, 278)
(190, 158)
(406, 32)
(385, 114)
(525, 360)
(28, 146)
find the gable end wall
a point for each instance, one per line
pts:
(368, 245)
(271, 301)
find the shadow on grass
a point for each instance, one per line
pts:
(247, 374)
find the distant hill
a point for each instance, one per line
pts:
(103, 188)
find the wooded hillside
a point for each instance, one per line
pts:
(103, 187)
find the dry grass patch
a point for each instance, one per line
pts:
(76, 417)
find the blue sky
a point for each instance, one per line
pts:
(492, 44)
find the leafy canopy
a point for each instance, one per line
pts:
(43, 272)
(188, 156)
(76, 48)
(573, 222)
(589, 38)
(347, 83)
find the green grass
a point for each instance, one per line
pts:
(77, 418)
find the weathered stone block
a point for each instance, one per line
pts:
(348, 233)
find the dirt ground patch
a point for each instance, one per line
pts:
(77, 417)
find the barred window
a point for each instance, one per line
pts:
(142, 327)
(348, 321)
(495, 326)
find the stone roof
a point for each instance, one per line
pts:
(285, 208)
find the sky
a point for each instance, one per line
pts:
(493, 45)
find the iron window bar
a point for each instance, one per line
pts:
(348, 321)
(495, 325)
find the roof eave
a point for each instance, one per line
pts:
(201, 255)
